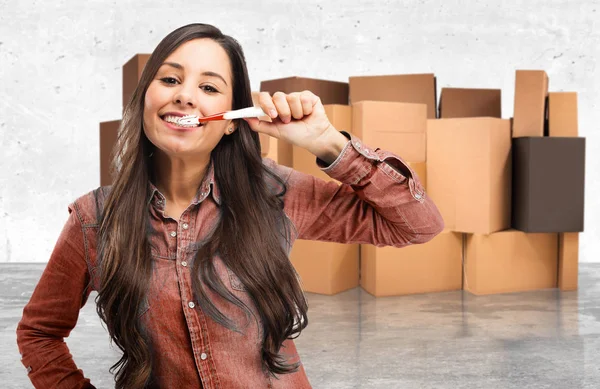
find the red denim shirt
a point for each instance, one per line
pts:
(375, 204)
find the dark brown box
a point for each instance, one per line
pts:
(108, 138)
(330, 92)
(132, 72)
(403, 88)
(548, 184)
(465, 103)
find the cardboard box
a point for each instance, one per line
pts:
(265, 144)
(285, 153)
(340, 117)
(330, 92)
(326, 267)
(420, 168)
(464, 103)
(273, 149)
(403, 88)
(108, 138)
(531, 92)
(400, 128)
(548, 184)
(469, 172)
(510, 261)
(132, 72)
(562, 114)
(434, 266)
(568, 261)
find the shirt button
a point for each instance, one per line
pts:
(203, 356)
(184, 263)
(185, 226)
(191, 304)
(418, 196)
(173, 234)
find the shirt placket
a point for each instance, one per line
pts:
(194, 317)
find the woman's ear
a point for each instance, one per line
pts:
(230, 129)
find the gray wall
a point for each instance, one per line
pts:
(60, 73)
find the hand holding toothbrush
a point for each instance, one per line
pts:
(299, 118)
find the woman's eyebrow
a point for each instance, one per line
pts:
(207, 73)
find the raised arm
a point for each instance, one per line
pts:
(381, 200)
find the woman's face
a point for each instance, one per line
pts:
(194, 80)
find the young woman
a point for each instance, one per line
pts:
(188, 249)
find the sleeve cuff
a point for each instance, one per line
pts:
(358, 160)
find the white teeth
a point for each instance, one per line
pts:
(175, 120)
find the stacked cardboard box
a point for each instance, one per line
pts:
(402, 88)
(466, 103)
(469, 166)
(108, 138)
(131, 73)
(549, 159)
(509, 228)
(507, 190)
(435, 266)
(548, 184)
(399, 127)
(325, 267)
(391, 112)
(531, 93)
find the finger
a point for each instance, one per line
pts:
(308, 101)
(283, 108)
(293, 100)
(262, 126)
(266, 103)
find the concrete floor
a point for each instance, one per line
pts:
(544, 339)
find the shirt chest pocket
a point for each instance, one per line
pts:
(235, 282)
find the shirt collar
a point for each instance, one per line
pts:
(208, 186)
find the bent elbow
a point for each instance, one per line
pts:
(426, 236)
(434, 226)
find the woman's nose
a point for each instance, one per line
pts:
(185, 97)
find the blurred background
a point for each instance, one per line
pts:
(61, 64)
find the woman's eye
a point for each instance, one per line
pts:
(208, 89)
(169, 80)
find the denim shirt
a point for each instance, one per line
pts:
(375, 204)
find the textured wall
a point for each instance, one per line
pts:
(60, 73)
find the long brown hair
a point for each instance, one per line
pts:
(251, 210)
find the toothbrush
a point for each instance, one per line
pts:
(250, 112)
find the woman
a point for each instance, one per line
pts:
(188, 249)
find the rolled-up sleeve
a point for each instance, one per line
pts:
(380, 201)
(52, 313)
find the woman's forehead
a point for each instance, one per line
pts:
(199, 56)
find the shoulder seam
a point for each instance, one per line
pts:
(85, 247)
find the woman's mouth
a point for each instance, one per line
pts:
(173, 123)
